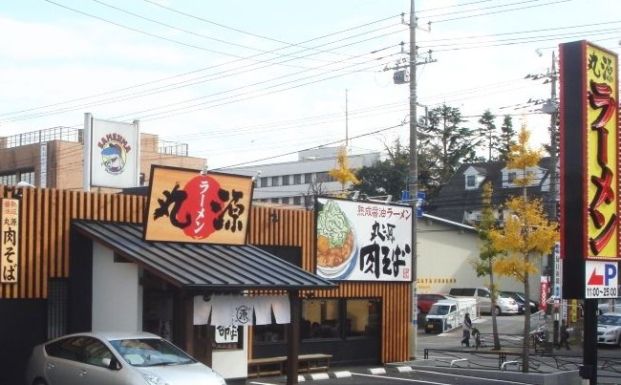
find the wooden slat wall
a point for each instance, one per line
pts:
(296, 228)
(45, 216)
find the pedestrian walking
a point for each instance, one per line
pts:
(564, 336)
(467, 326)
(476, 335)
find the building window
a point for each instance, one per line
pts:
(321, 319)
(511, 176)
(274, 200)
(272, 333)
(285, 180)
(297, 201)
(297, 179)
(8, 179)
(323, 177)
(264, 181)
(471, 180)
(275, 181)
(362, 317)
(285, 200)
(308, 178)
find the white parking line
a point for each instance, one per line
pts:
(464, 376)
(400, 379)
(262, 383)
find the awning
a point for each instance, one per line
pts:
(201, 266)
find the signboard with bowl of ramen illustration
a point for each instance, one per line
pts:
(363, 241)
(191, 206)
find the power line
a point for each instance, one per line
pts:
(185, 83)
(454, 38)
(501, 11)
(451, 6)
(273, 52)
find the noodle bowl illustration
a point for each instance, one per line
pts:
(336, 245)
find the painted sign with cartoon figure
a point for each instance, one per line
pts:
(190, 206)
(114, 154)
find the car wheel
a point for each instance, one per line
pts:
(39, 381)
(497, 311)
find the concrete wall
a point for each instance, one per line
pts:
(232, 363)
(117, 294)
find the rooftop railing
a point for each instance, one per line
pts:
(70, 134)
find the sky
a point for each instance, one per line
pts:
(246, 82)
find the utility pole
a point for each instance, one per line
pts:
(346, 122)
(553, 188)
(553, 139)
(413, 179)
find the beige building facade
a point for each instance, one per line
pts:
(54, 157)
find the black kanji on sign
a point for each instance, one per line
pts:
(175, 197)
(229, 217)
(370, 259)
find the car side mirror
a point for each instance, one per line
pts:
(111, 363)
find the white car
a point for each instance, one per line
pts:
(115, 359)
(609, 329)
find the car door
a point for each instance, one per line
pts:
(485, 301)
(96, 371)
(63, 363)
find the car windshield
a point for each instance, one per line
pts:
(439, 310)
(614, 320)
(506, 294)
(150, 352)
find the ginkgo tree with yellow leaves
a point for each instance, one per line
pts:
(342, 173)
(526, 234)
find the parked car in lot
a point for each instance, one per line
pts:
(115, 359)
(521, 299)
(425, 300)
(609, 305)
(504, 304)
(609, 329)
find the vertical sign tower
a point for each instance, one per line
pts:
(589, 183)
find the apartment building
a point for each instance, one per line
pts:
(295, 182)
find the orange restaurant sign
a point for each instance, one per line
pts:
(602, 153)
(187, 206)
(9, 244)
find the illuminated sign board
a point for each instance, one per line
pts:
(589, 142)
(188, 206)
(9, 243)
(602, 132)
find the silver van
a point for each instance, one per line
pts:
(504, 305)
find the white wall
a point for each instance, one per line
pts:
(444, 261)
(232, 363)
(117, 295)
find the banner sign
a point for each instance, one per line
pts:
(589, 133)
(227, 334)
(9, 244)
(188, 206)
(363, 241)
(115, 158)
